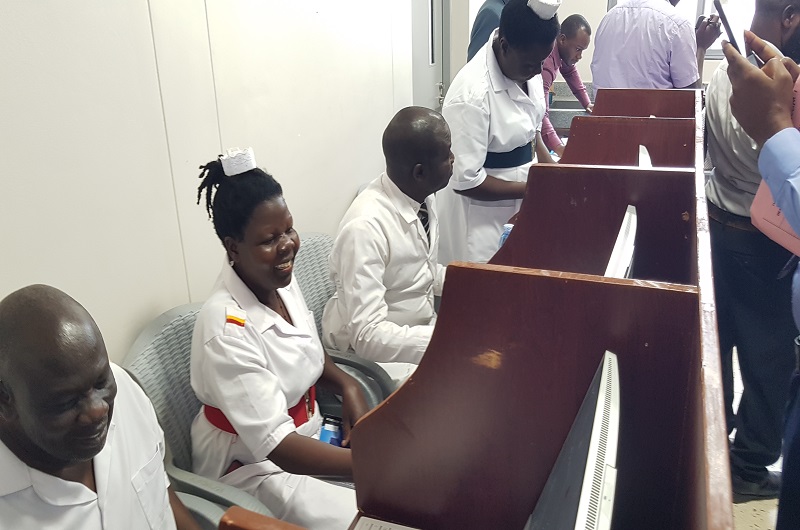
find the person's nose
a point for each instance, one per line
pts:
(94, 409)
(286, 244)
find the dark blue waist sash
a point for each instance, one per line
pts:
(521, 155)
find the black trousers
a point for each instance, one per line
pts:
(789, 503)
(754, 314)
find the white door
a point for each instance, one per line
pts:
(427, 65)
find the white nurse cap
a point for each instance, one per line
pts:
(236, 161)
(544, 9)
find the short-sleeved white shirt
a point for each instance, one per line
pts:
(253, 372)
(129, 476)
(644, 44)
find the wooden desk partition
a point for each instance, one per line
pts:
(237, 518)
(571, 216)
(615, 141)
(470, 439)
(438, 454)
(672, 245)
(645, 102)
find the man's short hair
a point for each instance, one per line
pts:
(574, 23)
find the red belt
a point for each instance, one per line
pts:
(300, 413)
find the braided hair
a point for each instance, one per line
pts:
(230, 201)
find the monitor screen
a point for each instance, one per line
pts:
(579, 492)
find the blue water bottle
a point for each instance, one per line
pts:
(506, 230)
(331, 431)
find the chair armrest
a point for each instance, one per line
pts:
(369, 368)
(238, 519)
(213, 491)
(206, 513)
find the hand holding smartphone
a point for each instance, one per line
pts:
(754, 59)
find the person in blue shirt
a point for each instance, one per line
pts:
(486, 21)
(762, 102)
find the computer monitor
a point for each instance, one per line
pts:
(619, 264)
(579, 493)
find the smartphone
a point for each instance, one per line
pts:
(754, 59)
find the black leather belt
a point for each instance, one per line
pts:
(729, 219)
(515, 158)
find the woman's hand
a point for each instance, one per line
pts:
(353, 407)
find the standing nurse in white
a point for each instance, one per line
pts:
(495, 108)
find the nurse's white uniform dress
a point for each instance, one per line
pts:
(253, 366)
(489, 116)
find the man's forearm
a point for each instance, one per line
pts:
(495, 189)
(701, 59)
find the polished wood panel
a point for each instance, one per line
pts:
(644, 103)
(470, 439)
(237, 518)
(571, 215)
(602, 140)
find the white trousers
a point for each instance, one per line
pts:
(299, 499)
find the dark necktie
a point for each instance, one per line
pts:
(423, 217)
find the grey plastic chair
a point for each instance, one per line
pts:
(312, 272)
(206, 513)
(159, 361)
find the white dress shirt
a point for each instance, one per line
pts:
(254, 373)
(386, 275)
(487, 112)
(735, 177)
(644, 44)
(129, 476)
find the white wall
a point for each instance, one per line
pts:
(108, 108)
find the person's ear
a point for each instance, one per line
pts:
(562, 39)
(504, 45)
(790, 19)
(7, 409)
(418, 172)
(232, 248)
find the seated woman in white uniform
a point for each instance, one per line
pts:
(495, 108)
(256, 357)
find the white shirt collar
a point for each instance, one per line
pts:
(497, 78)
(258, 314)
(18, 476)
(407, 207)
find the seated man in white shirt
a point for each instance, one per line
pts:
(384, 260)
(66, 462)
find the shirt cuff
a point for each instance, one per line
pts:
(468, 184)
(274, 439)
(780, 158)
